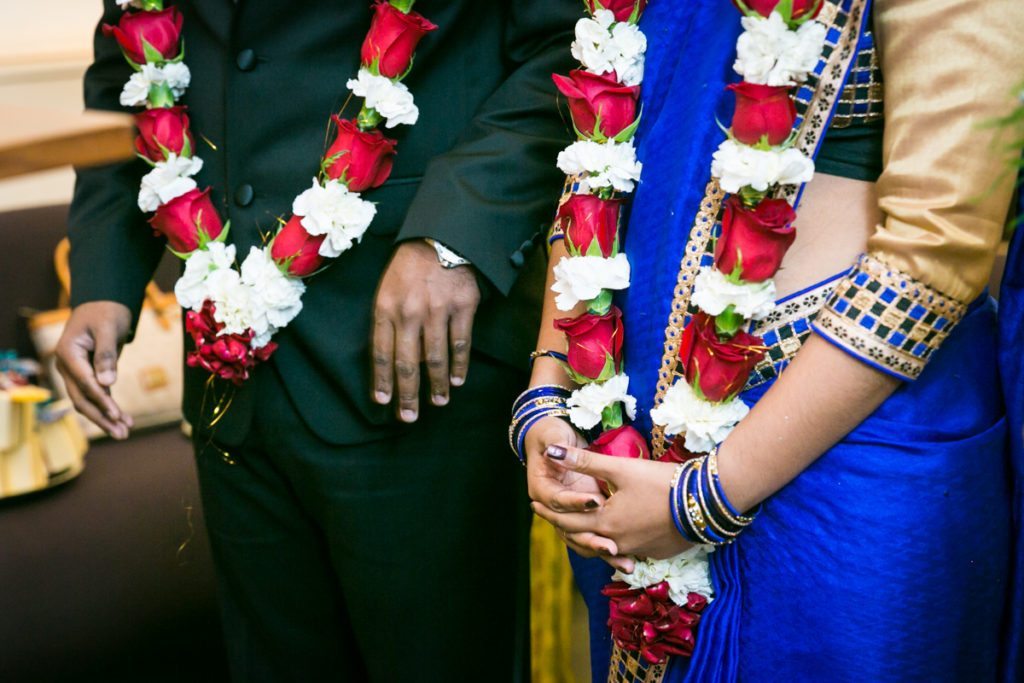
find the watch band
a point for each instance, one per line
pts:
(445, 256)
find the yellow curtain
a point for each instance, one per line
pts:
(551, 607)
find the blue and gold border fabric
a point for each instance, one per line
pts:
(887, 319)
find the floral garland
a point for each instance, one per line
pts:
(656, 609)
(234, 311)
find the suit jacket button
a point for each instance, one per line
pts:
(517, 259)
(246, 60)
(244, 195)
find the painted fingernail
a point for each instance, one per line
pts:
(408, 415)
(591, 504)
(556, 452)
(440, 400)
(382, 397)
(457, 381)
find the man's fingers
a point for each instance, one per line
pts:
(104, 356)
(460, 336)
(92, 413)
(383, 353)
(76, 365)
(435, 352)
(407, 370)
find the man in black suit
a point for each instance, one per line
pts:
(365, 524)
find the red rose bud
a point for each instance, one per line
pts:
(762, 111)
(622, 9)
(188, 221)
(162, 30)
(719, 368)
(297, 248)
(363, 158)
(754, 241)
(802, 9)
(162, 131)
(598, 102)
(591, 224)
(595, 343)
(623, 442)
(392, 39)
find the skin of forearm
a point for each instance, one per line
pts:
(819, 398)
(547, 370)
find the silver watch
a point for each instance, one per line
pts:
(445, 256)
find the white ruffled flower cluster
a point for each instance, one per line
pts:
(601, 164)
(737, 166)
(582, 278)
(588, 402)
(258, 297)
(704, 423)
(688, 572)
(173, 74)
(768, 52)
(713, 292)
(333, 210)
(169, 179)
(604, 45)
(390, 99)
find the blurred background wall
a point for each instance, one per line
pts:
(44, 50)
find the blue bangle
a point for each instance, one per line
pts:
(544, 353)
(524, 428)
(540, 392)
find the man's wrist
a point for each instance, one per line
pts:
(447, 257)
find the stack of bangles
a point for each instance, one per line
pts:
(533, 405)
(701, 512)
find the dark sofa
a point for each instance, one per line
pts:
(107, 578)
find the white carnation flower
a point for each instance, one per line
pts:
(713, 292)
(588, 402)
(278, 297)
(168, 180)
(687, 572)
(769, 53)
(233, 302)
(174, 74)
(602, 164)
(125, 4)
(603, 45)
(737, 166)
(704, 423)
(390, 99)
(332, 210)
(191, 288)
(582, 278)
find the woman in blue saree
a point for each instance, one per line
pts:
(885, 547)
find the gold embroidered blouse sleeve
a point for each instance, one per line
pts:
(949, 67)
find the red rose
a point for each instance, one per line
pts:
(392, 39)
(592, 97)
(365, 157)
(808, 9)
(227, 356)
(623, 442)
(645, 620)
(595, 343)
(762, 111)
(676, 452)
(719, 368)
(754, 241)
(297, 248)
(163, 129)
(162, 30)
(591, 224)
(622, 9)
(188, 221)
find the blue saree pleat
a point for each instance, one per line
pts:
(889, 558)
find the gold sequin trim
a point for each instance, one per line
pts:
(630, 667)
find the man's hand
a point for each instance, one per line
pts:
(87, 359)
(423, 312)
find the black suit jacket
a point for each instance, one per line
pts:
(476, 173)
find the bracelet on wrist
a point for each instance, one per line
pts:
(545, 353)
(699, 508)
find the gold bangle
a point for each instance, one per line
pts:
(692, 511)
(705, 510)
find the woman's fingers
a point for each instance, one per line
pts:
(570, 522)
(586, 462)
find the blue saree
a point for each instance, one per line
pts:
(890, 558)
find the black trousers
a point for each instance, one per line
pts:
(398, 560)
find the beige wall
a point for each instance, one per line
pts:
(44, 49)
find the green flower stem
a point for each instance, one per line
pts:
(404, 6)
(161, 96)
(611, 417)
(368, 118)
